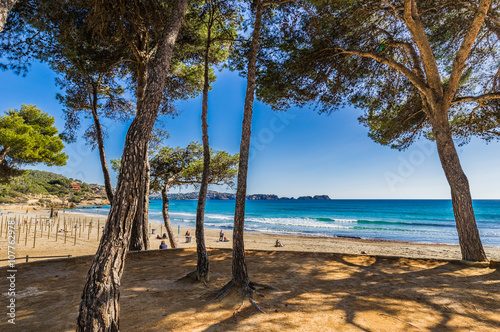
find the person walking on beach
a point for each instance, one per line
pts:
(221, 236)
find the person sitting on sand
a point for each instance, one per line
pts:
(225, 239)
(163, 245)
(158, 237)
(221, 236)
(164, 236)
(279, 244)
(187, 233)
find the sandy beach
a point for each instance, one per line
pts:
(320, 284)
(87, 242)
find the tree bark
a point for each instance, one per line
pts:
(100, 146)
(5, 7)
(468, 234)
(3, 153)
(99, 309)
(166, 217)
(203, 263)
(239, 266)
(139, 238)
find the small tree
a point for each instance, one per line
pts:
(171, 167)
(216, 30)
(28, 136)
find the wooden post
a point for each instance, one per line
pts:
(161, 230)
(57, 229)
(1, 227)
(26, 236)
(41, 228)
(90, 230)
(80, 228)
(65, 233)
(74, 243)
(27, 257)
(98, 229)
(34, 237)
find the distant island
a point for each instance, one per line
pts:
(214, 195)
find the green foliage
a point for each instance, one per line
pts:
(336, 53)
(28, 136)
(34, 182)
(184, 166)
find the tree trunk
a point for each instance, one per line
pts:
(166, 217)
(145, 228)
(139, 238)
(5, 7)
(99, 309)
(100, 146)
(203, 264)
(239, 265)
(468, 234)
(3, 153)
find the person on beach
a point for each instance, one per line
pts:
(187, 233)
(221, 236)
(278, 244)
(225, 239)
(164, 235)
(163, 245)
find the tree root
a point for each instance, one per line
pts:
(250, 290)
(194, 276)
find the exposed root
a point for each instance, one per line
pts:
(248, 291)
(222, 292)
(254, 286)
(194, 276)
(256, 305)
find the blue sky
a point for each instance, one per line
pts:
(294, 153)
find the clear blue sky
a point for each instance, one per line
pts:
(294, 153)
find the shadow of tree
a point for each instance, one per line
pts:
(316, 291)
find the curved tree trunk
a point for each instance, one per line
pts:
(100, 146)
(239, 266)
(203, 263)
(468, 234)
(166, 217)
(99, 309)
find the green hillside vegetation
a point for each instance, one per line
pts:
(34, 182)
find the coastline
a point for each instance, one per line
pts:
(46, 245)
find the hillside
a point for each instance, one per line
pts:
(229, 196)
(46, 188)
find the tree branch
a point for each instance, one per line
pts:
(477, 99)
(410, 75)
(463, 53)
(412, 20)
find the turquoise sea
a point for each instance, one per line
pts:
(426, 221)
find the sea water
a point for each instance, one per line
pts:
(425, 221)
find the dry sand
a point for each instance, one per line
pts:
(320, 287)
(314, 292)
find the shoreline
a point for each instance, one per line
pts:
(46, 245)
